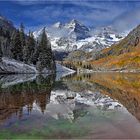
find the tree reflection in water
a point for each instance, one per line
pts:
(46, 108)
(14, 98)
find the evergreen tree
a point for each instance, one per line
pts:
(46, 58)
(1, 52)
(29, 49)
(32, 44)
(22, 35)
(35, 55)
(16, 46)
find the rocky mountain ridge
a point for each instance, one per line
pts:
(76, 36)
(123, 56)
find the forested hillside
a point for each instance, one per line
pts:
(122, 56)
(17, 45)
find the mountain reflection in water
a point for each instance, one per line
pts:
(42, 107)
(123, 87)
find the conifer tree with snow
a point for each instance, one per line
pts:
(22, 35)
(29, 49)
(35, 54)
(17, 50)
(45, 56)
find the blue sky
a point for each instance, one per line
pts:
(121, 14)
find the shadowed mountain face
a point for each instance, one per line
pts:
(125, 87)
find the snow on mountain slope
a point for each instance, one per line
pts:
(76, 36)
(58, 25)
(74, 30)
(62, 36)
(78, 31)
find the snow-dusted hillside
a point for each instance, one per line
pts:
(12, 66)
(20, 72)
(76, 36)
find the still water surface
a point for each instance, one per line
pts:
(98, 105)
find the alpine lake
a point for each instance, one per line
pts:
(76, 106)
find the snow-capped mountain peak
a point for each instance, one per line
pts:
(76, 36)
(76, 26)
(73, 23)
(57, 25)
(74, 30)
(77, 30)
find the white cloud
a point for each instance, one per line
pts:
(121, 13)
(86, 12)
(28, 2)
(127, 20)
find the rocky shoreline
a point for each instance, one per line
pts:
(109, 70)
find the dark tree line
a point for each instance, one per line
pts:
(25, 48)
